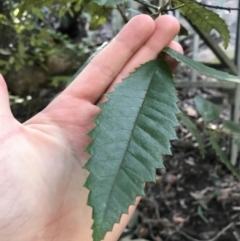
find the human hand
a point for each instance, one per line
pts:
(41, 174)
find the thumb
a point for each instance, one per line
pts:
(4, 99)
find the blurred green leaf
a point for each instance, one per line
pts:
(237, 142)
(21, 49)
(201, 68)
(231, 126)
(11, 60)
(62, 12)
(98, 14)
(201, 215)
(206, 20)
(207, 109)
(77, 6)
(56, 80)
(194, 130)
(38, 13)
(5, 52)
(222, 156)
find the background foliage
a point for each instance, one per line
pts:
(52, 38)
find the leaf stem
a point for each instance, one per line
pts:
(172, 9)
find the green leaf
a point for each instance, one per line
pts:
(109, 2)
(207, 109)
(231, 126)
(194, 130)
(133, 130)
(206, 20)
(222, 156)
(201, 68)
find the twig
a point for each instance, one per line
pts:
(218, 7)
(164, 8)
(124, 17)
(217, 236)
(173, 9)
(143, 2)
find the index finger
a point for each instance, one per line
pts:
(102, 70)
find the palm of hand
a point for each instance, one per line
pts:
(41, 169)
(41, 174)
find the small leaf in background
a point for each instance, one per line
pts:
(11, 60)
(231, 126)
(222, 155)
(206, 20)
(70, 12)
(201, 215)
(61, 12)
(78, 6)
(201, 68)
(98, 14)
(3, 19)
(21, 50)
(38, 13)
(5, 52)
(194, 130)
(234, 130)
(207, 109)
(133, 130)
(237, 142)
(57, 80)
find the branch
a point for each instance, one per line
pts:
(159, 9)
(147, 4)
(218, 7)
(164, 8)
